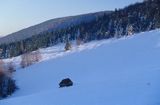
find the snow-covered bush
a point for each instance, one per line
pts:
(30, 58)
(7, 84)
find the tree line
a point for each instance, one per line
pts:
(132, 19)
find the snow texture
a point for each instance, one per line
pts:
(122, 71)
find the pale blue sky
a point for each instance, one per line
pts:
(19, 14)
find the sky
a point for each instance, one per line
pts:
(19, 14)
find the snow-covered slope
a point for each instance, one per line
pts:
(112, 72)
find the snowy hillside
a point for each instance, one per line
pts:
(125, 71)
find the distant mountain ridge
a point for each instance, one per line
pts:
(135, 18)
(53, 24)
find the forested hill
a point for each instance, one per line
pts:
(50, 25)
(135, 18)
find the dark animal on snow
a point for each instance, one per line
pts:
(65, 83)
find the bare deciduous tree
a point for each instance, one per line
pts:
(25, 60)
(36, 56)
(30, 58)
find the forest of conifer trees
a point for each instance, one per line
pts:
(132, 19)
